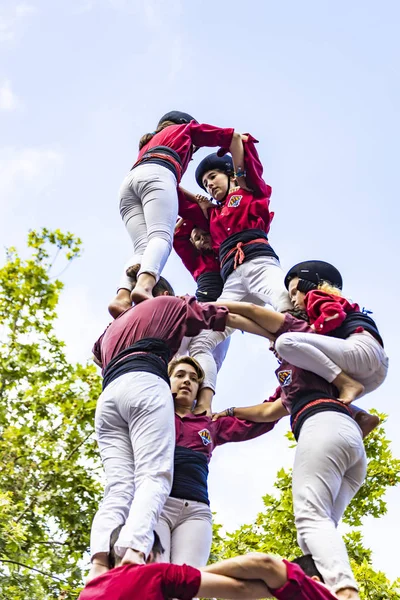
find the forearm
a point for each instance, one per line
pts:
(245, 324)
(237, 151)
(267, 412)
(265, 317)
(222, 586)
(253, 566)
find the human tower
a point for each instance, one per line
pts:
(160, 359)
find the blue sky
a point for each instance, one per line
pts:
(317, 83)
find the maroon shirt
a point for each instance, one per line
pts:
(301, 587)
(182, 138)
(201, 434)
(296, 382)
(195, 262)
(157, 581)
(166, 318)
(241, 210)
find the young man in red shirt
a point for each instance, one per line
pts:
(255, 575)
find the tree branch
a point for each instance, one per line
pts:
(14, 562)
(48, 482)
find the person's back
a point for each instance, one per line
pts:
(154, 581)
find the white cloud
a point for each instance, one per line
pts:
(8, 100)
(10, 19)
(29, 170)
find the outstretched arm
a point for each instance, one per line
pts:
(254, 565)
(267, 318)
(266, 412)
(245, 324)
(220, 586)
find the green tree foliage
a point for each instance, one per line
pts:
(48, 495)
(273, 531)
(49, 464)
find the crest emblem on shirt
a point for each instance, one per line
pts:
(234, 201)
(205, 436)
(285, 377)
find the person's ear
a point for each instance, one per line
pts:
(316, 578)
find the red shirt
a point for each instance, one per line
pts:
(166, 318)
(320, 305)
(181, 138)
(301, 587)
(240, 210)
(196, 262)
(157, 581)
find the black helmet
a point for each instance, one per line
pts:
(213, 161)
(176, 116)
(315, 271)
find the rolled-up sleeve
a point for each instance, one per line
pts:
(204, 316)
(181, 582)
(207, 135)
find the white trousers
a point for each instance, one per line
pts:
(149, 208)
(260, 280)
(185, 530)
(135, 429)
(329, 468)
(360, 356)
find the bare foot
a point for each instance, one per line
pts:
(349, 388)
(140, 293)
(96, 569)
(364, 420)
(143, 289)
(133, 557)
(121, 303)
(348, 594)
(133, 271)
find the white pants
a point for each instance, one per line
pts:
(329, 468)
(185, 530)
(360, 356)
(149, 208)
(260, 280)
(135, 430)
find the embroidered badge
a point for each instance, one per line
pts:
(205, 436)
(234, 201)
(285, 377)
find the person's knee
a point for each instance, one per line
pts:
(284, 344)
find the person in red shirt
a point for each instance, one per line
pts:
(239, 223)
(134, 419)
(254, 575)
(149, 199)
(193, 245)
(350, 352)
(185, 525)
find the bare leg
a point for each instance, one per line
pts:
(144, 288)
(121, 303)
(99, 566)
(348, 387)
(133, 557)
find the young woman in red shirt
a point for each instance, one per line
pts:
(149, 198)
(239, 224)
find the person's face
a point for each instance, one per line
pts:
(216, 184)
(200, 239)
(296, 297)
(185, 384)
